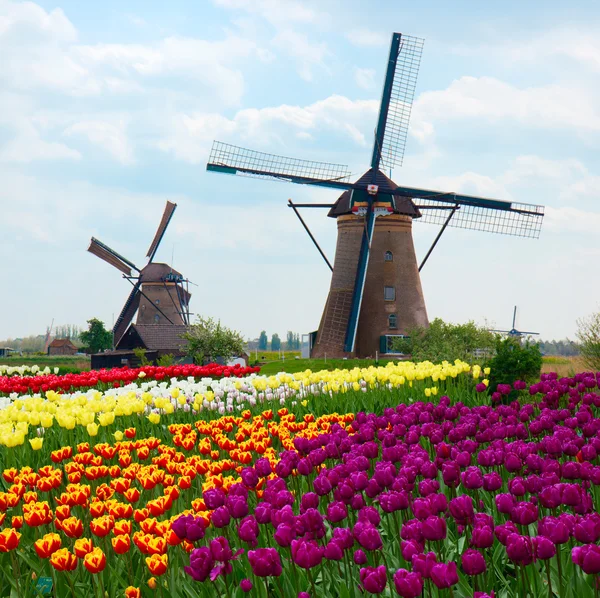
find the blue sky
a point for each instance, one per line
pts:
(108, 109)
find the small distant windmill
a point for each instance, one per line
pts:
(158, 295)
(48, 335)
(513, 331)
(375, 291)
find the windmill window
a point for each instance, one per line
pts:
(156, 319)
(157, 301)
(393, 321)
(389, 293)
(389, 256)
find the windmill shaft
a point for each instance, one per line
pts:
(289, 178)
(385, 103)
(293, 206)
(361, 276)
(435, 242)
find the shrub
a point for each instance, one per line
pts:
(588, 334)
(514, 361)
(445, 341)
(208, 340)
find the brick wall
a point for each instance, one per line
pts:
(392, 233)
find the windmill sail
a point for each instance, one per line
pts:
(230, 159)
(127, 313)
(162, 227)
(399, 105)
(477, 213)
(104, 252)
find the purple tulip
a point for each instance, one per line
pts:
(333, 551)
(220, 517)
(373, 579)
(265, 562)
(249, 477)
(543, 548)
(201, 564)
(360, 558)
(306, 553)
(263, 467)
(519, 549)
(434, 528)
(408, 585)
(246, 585)
(473, 562)
(587, 557)
(424, 563)
(214, 498)
(461, 508)
(248, 530)
(482, 537)
(336, 512)
(284, 534)
(444, 575)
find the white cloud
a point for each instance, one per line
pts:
(298, 46)
(274, 11)
(109, 136)
(366, 38)
(548, 106)
(365, 78)
(572, 220)
(188, 136)
(18, 18)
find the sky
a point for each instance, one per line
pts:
(108, 109)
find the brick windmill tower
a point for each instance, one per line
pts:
(158, 295)
(375, 293)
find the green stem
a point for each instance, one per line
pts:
(312, 582)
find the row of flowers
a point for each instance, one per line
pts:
(26, 370)
(147, 403)
(418, 498)
(11, 384)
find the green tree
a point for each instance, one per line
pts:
(207, 340)
(96, 338)
(445, 341)
(588, 335)
(290, 341)
(514, 360)
(275, 342)
(262, 341)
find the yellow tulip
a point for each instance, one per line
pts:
(154, 418)
(36, 443)
(118, 435)
(92, 429)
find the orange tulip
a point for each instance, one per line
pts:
(97, 509)
(121, 544)
(95, 561)
(157, 563)
(157, 545)
(9, 539)
(16, 522)
(47, 545)
(37, 513)
(72, 526)
(152, 583)
(132, 495)
(131, 592)
(130, 433)
(63, 560)
(101, 526)
(122, 526)
(82, 547)
(62, 512)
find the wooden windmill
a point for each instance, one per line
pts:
(158, 295)
(375, 291)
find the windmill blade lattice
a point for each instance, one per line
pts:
(230, 159)
(401, 98)
(127, 313)
(517, 219)
(162, 227)
(104, 252)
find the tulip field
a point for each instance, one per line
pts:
(413, 479)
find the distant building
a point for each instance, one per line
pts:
(6, 351)
(62, 346)
(155, 340)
